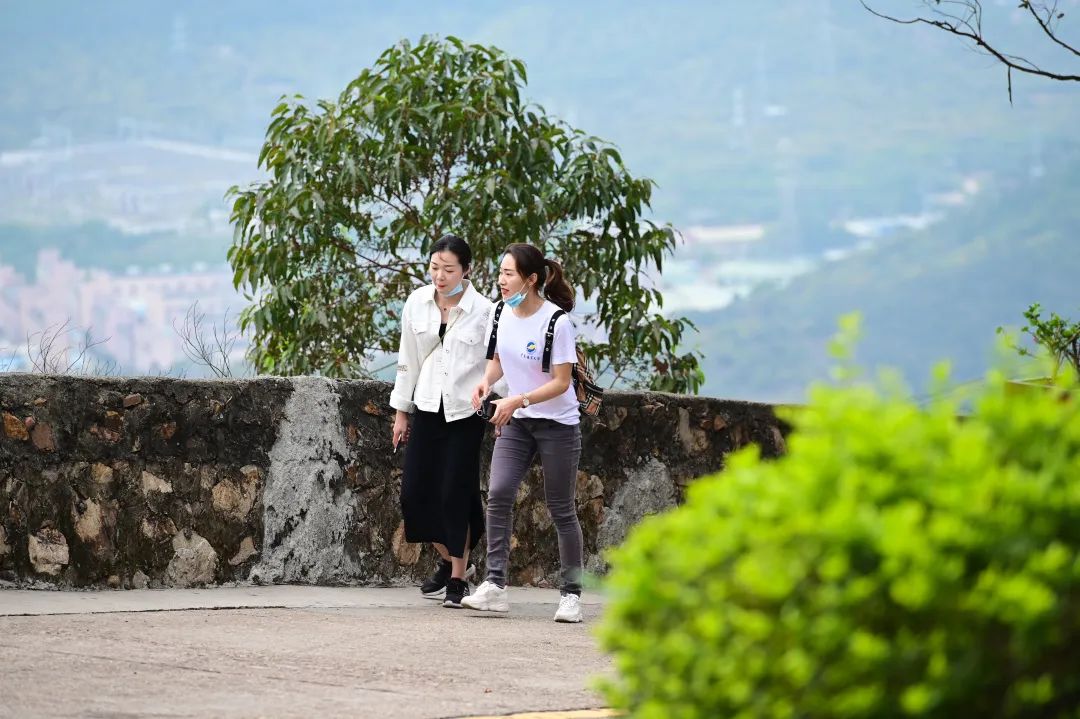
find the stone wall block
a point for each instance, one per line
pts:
(406, 553)
(235, 499)
(5, 548)
(101, 474)
(48, 550)
(15, 428)
(540, 517)
(43, 437)
(157, 528)
(105, 434)
(152, 484)
(245, 552)
(95, 523)
(589, 486)
(693, 439)
(648, 489)
(194, 561)
(614, 417)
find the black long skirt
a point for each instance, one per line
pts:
(440, 490)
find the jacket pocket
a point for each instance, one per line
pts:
(422, 328)
(469, 338)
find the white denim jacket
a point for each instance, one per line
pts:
(427, 373)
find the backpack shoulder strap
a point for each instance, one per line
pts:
(549, 339)
(494, 330)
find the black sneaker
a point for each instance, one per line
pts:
(456, 590)
(434, 587)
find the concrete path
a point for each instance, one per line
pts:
(287, 651)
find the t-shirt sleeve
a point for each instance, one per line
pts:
(564, 345)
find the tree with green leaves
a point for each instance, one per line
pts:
(1057, 336)
(435, 138)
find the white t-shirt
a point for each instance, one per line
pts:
(521, 350)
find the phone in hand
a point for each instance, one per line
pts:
(487, 407)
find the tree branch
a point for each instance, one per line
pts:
(44, 360)
(210, 353)
(88, 343)
(962, 27)
(1045, 25)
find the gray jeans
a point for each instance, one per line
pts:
(559, 446)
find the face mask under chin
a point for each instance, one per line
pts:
(456, 291)
(515, 300)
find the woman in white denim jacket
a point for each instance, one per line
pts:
(441, 358)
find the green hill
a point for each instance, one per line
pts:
(924, 297)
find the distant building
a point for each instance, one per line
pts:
(137, 313)
(876, 227)
(729, 235)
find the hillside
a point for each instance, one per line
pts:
(924, 296)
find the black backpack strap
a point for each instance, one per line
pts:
(549, 339)
(494, 331)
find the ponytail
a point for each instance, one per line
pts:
(556, 288)
(551, 284)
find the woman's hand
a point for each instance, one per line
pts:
(482, 390)
(504, 411)
(401, 428)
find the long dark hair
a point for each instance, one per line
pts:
(459, 247)
(551, 284)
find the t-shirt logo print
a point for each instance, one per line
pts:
(530, 352)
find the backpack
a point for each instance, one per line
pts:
(589, 395)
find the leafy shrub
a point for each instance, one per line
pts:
(899, 561)
(1057, 335)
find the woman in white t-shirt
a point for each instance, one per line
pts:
(540, 415)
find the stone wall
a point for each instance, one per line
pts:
(165, 482)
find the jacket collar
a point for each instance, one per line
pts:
(468, 300)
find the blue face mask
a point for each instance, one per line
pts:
(456, 291)
(515, 300)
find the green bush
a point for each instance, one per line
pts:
(899, 561)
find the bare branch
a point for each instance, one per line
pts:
(100, 368)
(377, 370)
(39, 349)
(88, 343)
(1046, 25)
(212, 352)
(343, 246)
(969, 27)
(46, 357)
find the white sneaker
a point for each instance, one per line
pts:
(569, 609)
(488, 597)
